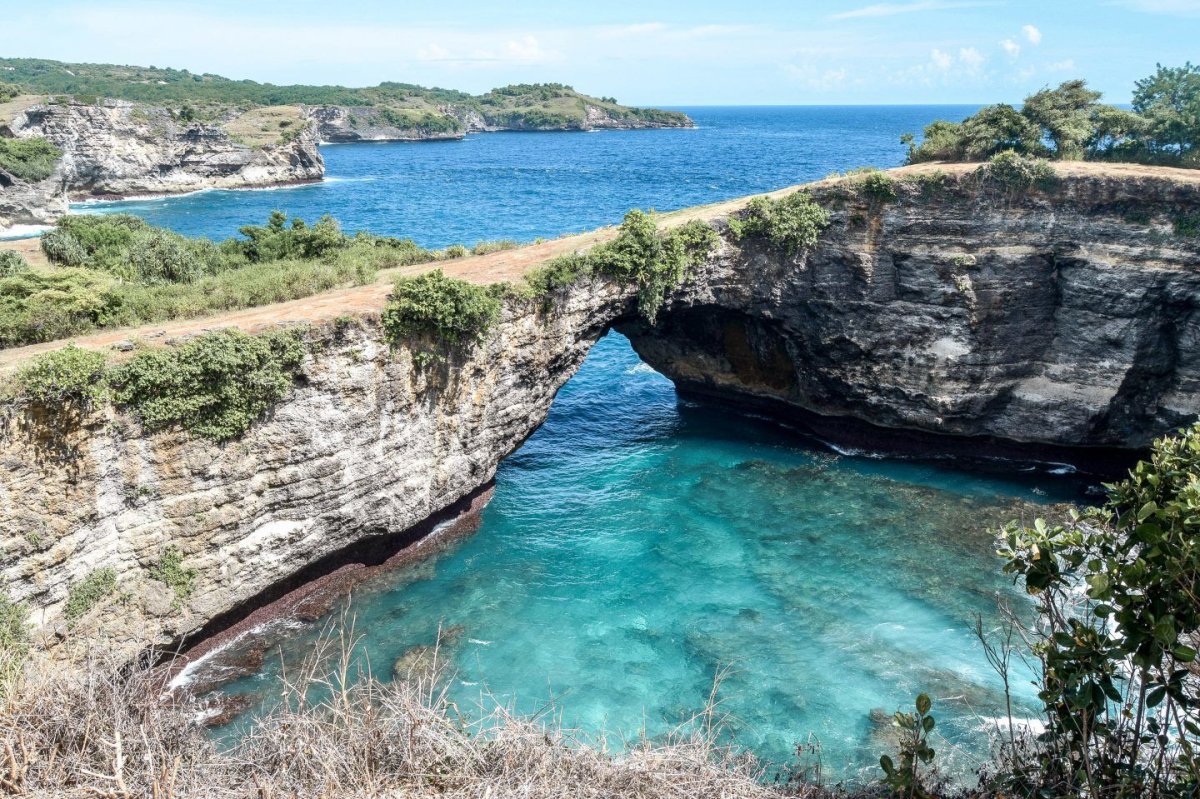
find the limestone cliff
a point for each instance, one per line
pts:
(1058, 317)
(118, 148)
(1062, 317)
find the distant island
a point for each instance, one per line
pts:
(102, 130)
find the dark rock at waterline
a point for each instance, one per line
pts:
(227, 709)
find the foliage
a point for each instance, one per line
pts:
(1163, 127)
(879, 187)
(406, 104)
(8, 91)
(214, 386)
(1187, 225)
(31, 159)
(86, 594)
(70, 376)
(171, 571)
(655, 263)
(1122, 712)
(556, 273)
(793, 223)
(11, 263)
(1016, 173)
(1065, 115)
(905, 779)
(441, 307)
(277, 240)
(130, 273)
(1169, 101)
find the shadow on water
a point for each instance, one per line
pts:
(639, 544)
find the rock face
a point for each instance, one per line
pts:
(117, 148)
(368, 444)
(366, 123)
(1065, 318)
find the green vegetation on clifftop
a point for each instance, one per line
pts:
(1070, 123)
(31, 159)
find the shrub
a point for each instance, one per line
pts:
(28, 159)
(879, 187)
(215, 386)
(441, 307)
(86, 594)
(170, 571)
(454, 251)
(556, 273)
(71, 376)
(653, 262)
(1017, 173)
(44, 305)
(793, 223)
(277, 240)
(1116, 593)
(1187, 225)
(11, 263)
(63, 248)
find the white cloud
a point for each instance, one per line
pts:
(1067, 65)
(971, 58)
(1011, 47)
(891, 9)
(941, 60)
(1032, 34)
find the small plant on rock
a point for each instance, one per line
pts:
(89, 592)
(171, 571)
(905, 778)
(441, 307)
(70, 376)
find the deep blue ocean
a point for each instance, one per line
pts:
(639, 544)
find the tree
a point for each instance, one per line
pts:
(998, 128)
(1169, 100)
(1065, 116)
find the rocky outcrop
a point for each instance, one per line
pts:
(117, 149)
(25, 203)
(1069, 317)
(450, 121)
(368, 123)
(1066, 317)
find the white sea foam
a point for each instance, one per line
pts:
(22, 232)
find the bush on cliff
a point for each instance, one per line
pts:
(214, 386)
(84, 595)
(443, 308)
(70, 376)
(1017, 174)
(639, 256)
(28, 159)
(792, 223)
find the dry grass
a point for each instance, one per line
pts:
(93, 731)
(260, 127)
(10, 109)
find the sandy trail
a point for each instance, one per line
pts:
(508, 265)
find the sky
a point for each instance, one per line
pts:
(700, 52)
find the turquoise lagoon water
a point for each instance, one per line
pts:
(640, 544)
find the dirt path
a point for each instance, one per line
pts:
(508, 265)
